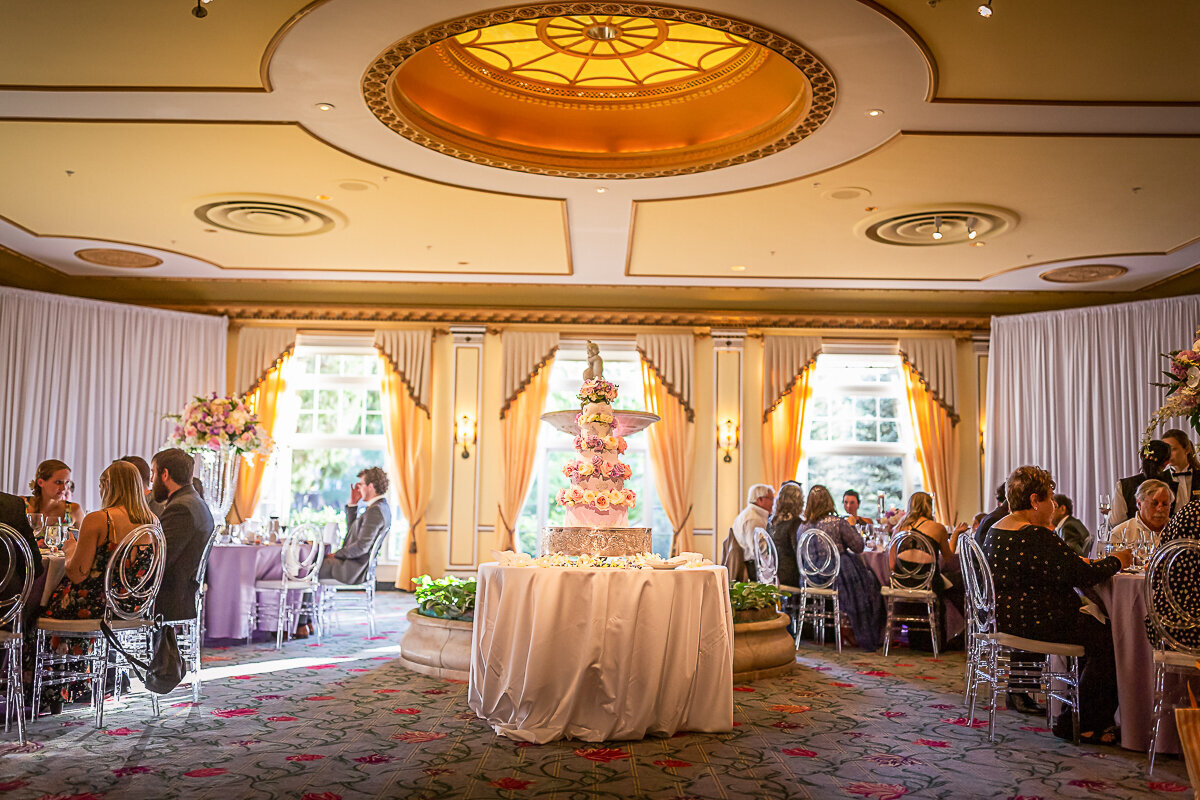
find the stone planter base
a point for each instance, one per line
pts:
(763, 649)
(437, 647)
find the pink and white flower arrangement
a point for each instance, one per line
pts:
(598, 499)
(214, 422)
(1183, 389)
(597, 390)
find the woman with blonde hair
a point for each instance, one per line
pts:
(947, 575)
(1184, 466)
(50, 494)
(80, 595)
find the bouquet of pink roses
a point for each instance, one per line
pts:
(214, 422)
(1183, 389)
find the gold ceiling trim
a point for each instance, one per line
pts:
(379, 78)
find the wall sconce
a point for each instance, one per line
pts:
(464, 434)
(727, 439)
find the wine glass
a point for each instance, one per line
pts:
(1105, 505)
(38, 523)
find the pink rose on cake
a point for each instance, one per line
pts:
(630, 498)
(601, 501)
(576, 495)
(563, 499)
(589, 497)
(616, 498)
(584, 469)
(597, 461)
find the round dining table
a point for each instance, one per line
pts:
(877, 560)
(232, 572)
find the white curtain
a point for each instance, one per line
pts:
(1071, 391)
(88, 382)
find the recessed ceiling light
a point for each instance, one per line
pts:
(738, 268)
(323, 197)
(463, 263)
(601, 190)
(871, 208)
(325, 106)
(875, 112)
(978, 243)
(985, 10)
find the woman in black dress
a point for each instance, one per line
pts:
(1035, 575)
(786, 516)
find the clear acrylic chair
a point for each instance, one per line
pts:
(190, 632)
(767, 564)
(819, 561)
(301, 557)
(1174, 608)
(1002, 661)
(15, 586)
(336, 595)
(129, 611)
(914, 561)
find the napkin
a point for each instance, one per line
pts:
(510, 559)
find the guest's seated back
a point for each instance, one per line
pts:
(819, 512)
(187, 524)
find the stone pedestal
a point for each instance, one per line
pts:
(437, 647)
(762, 649)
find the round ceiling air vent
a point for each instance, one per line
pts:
(938, 226)
(112, 257)
(1084, 273)
(266, 217)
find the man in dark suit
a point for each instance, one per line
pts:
(12, 514)
(349, 564)
(1071, 529)
(187, 524)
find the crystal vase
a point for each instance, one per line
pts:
(217, 471)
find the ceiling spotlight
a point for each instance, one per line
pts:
(199, 12)
(972, 233)
(601, 190)
(875, 112)
(937, 227)
(325, 106)
(985, 10)
(738, 268)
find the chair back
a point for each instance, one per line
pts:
(978, 588)
(819, 559)
(373, 558)
(134, 574)
(914, 561)
(303, 550)
(767, 561)
(1171, 593)
(202, 569)
(17, 581)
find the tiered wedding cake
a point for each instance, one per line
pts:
(597, 504)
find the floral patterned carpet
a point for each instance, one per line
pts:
(344, 720)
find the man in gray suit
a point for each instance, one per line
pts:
(1071, 529)
(349, 564)
(187, 524)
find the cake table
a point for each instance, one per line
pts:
(602, 654)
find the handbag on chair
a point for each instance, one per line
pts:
(166, 668)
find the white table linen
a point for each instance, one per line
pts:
(55, 566)
(602, 654)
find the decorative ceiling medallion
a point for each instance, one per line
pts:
(600, 90)
(938, 225)
(266, 217)
(111, 257)
(1084, 273)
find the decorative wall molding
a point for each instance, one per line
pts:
(499, 316)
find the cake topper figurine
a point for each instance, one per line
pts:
(595, 364)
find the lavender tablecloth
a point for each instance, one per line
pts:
(232, 571)
(877, 560)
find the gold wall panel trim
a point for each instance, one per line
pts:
(379, 77)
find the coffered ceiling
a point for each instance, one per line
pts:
(251, 156)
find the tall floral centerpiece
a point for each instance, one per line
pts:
(1183, 390)
(219, 432)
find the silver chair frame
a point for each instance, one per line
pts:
(360, 595)
(300, 570)
(906, 569)
(819, 560)
(129, 610)
(191, 638)
(1171, 656)
(16, 550)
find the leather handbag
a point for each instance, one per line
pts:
(166, 668)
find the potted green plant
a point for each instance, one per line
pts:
(438, 639)
(762, 646)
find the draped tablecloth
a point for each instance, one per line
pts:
(877, 560)
(1125, 605)
(55, 566)
(602, 654)
(232, 571)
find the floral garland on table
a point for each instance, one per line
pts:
(597, 390)
(598, 499)
(597, 443)
(596, 468)
(214, 422)
(1183, 389)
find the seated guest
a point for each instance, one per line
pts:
(50, 488)
(1185, 467)
(947, 578)
(995, 515)
(80, 594)
(349, 564)
(1070, 528)
(1156, 454)
(143, 469)
(786, 515)
(759, 500)
(12, 514)
(1185, 578)
(851, 502)
(186, 524)
(1035, 575)
(858, 588)
(1153, 499)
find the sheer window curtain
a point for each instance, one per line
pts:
(263, 356)
(788, 363)
(1071, 391)
(667, 362)
(89, 381)
(930, 368)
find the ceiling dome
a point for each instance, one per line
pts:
(650, 92)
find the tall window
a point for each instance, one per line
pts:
(329, 429)
(857, 431)
(555, 449)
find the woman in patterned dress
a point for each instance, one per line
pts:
(50, 496)
(80, 595)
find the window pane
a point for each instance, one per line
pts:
(887, 407)
(867, 474)
(373, 400)
(374, 425)
(327, 399)
(819, 430)
(322, 478)
(864, 430)
(304, 423)
(307, 398)
(889, 432)
(820, 407)
(865, 406)
(327, 423)
(304, 364)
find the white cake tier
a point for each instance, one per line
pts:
(578, 541)
(587, 516)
